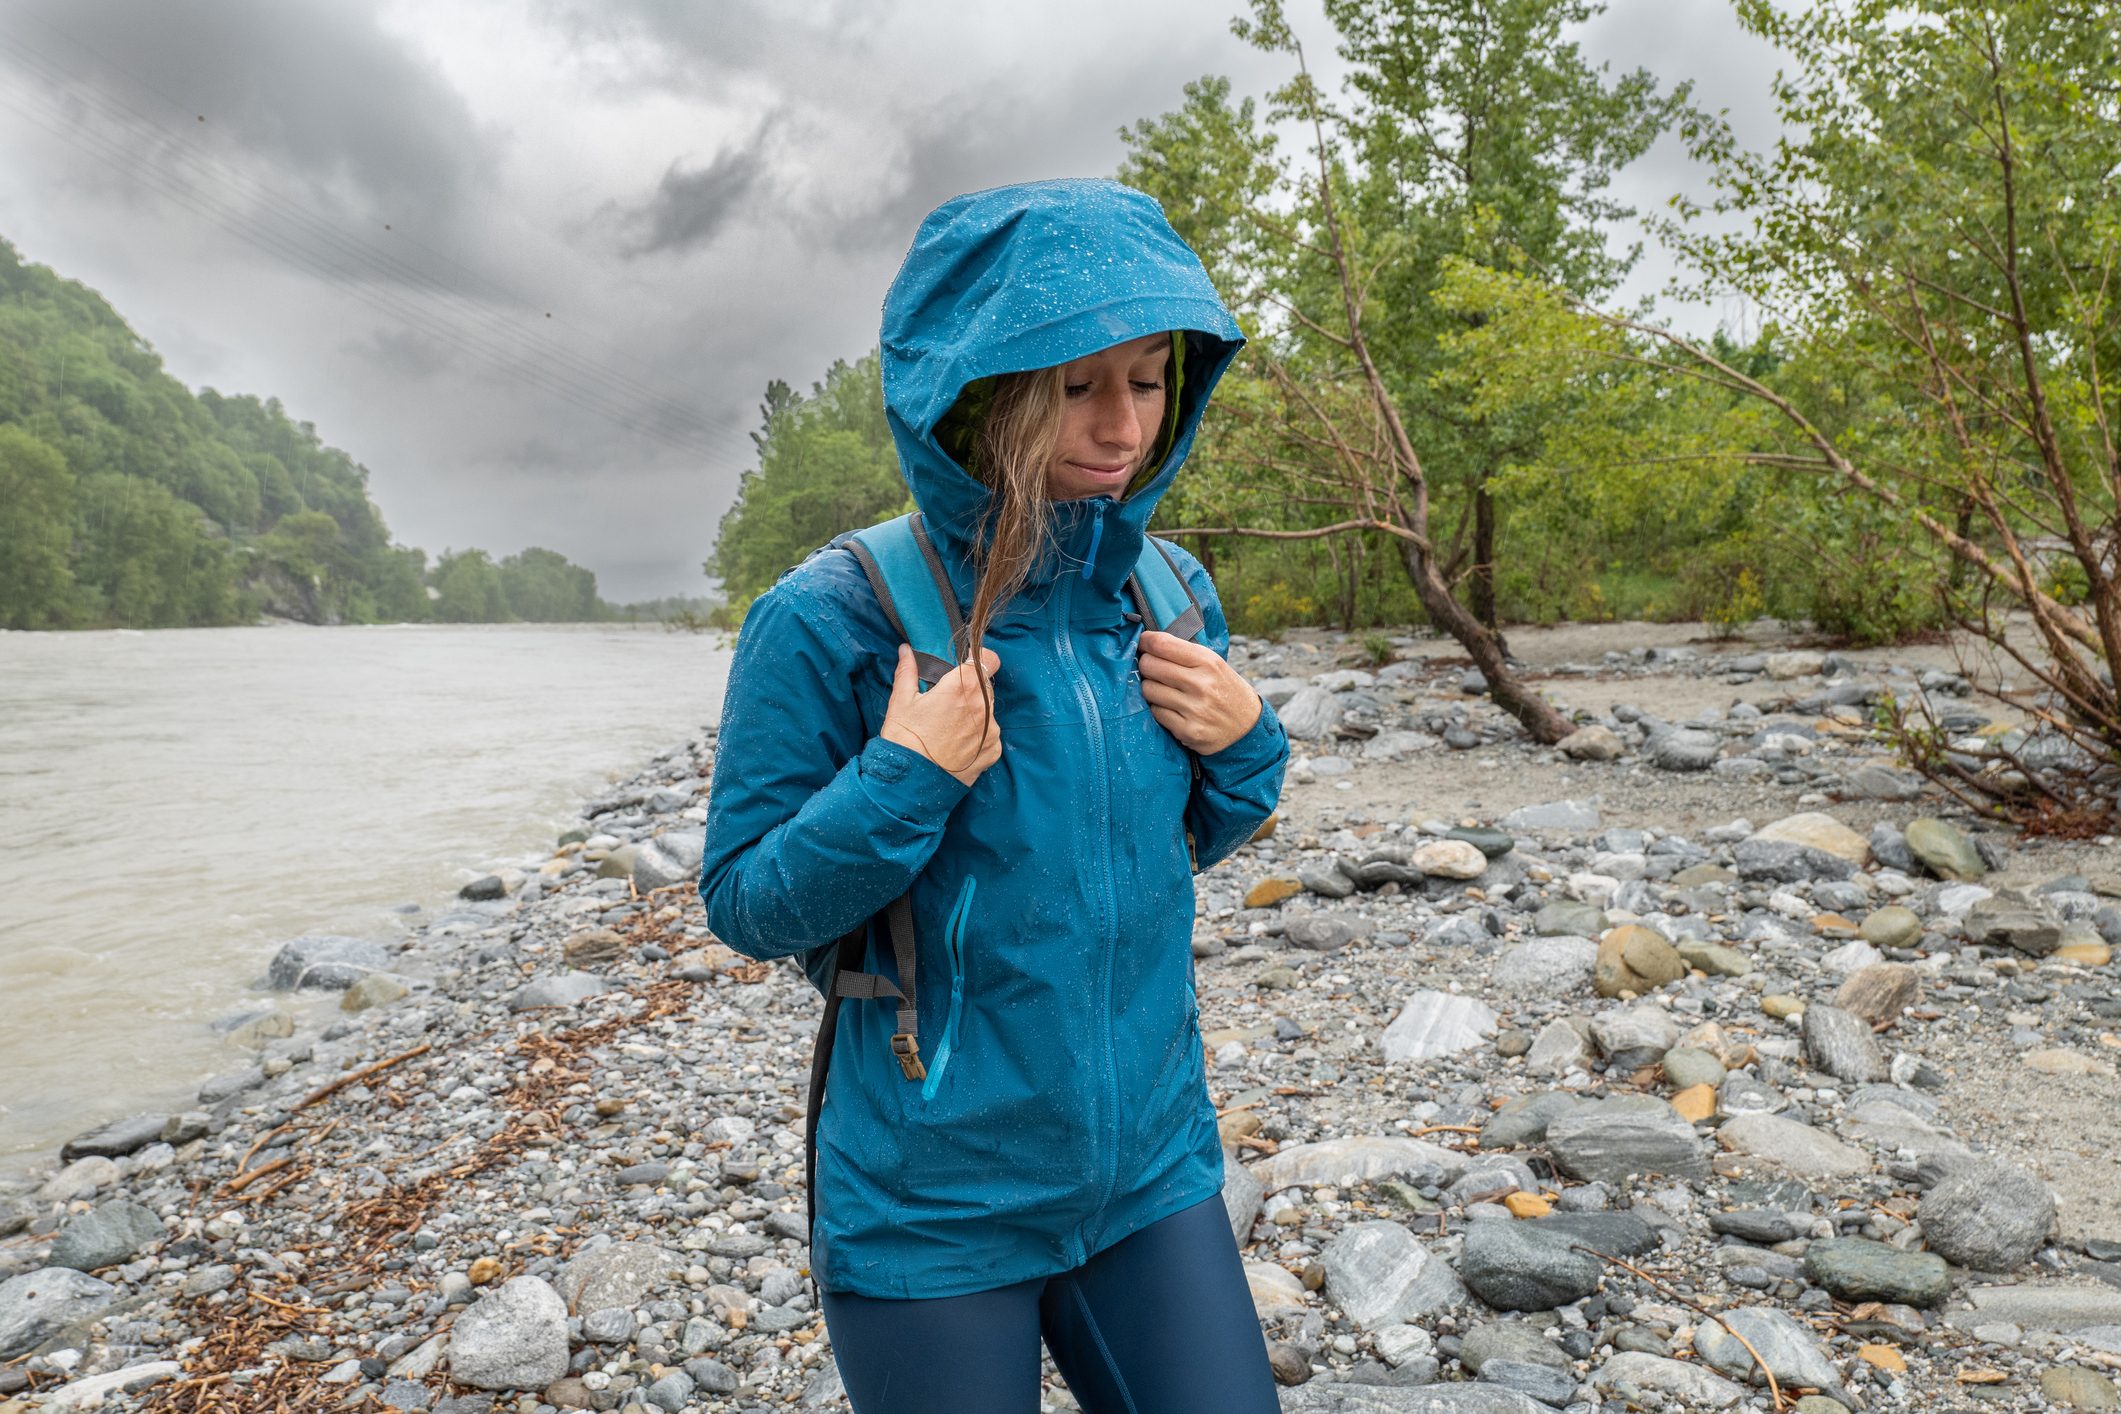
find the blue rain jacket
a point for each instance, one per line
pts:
(1066, 1104)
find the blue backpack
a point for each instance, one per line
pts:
(915, 593)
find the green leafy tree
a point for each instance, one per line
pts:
(36, 532)
(469, 589)
(544, 586)
(826, 464)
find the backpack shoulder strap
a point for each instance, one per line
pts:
(914, 590)
(1161, 593)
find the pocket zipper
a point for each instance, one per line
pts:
(954, 945)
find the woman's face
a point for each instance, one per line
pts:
(1112, 411)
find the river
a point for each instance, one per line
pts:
(176, 804)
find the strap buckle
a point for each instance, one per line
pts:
(908, 1051)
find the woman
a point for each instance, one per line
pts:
(1050, 1164)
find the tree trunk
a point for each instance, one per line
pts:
(1484, 647)
(1482, 594)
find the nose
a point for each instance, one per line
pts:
(1114, 422)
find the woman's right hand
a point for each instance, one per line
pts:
(952, 723)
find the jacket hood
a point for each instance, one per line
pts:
(1030, 276)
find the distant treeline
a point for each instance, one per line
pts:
(126, 500)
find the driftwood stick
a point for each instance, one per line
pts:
(354, 1077)
(1774, 1389)
(249, 1176)
(260, 1142)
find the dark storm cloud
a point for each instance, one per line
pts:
(317, 95)
(619, 219)
(688, 209)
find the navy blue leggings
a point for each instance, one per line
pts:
(1161, 1322)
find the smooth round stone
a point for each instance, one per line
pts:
(1490, 842)
(1890, 927)
(1685, 1067)
(1857, 1269)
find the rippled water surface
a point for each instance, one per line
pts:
(173, 805)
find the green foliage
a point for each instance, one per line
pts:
(36, 539)
(825, 464)
(125, 499)
(469, 588)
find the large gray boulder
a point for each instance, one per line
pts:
(1515, 1266)
(1987, 1215)
(514, 1338)
(326, 961)
(105, 1236)
(1379, 1274)
(1606, 1140)
(37, 1305)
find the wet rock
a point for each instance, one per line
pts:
(1891, 927)
(1517, 1266)
(1378, 1273)
(1242, 1196)
(2044, 1308)
(618, 1274)
(1634, 1036)
(1310, 713)
(515, 1337)
(1840, 1043)
(1524, 1120)
(104, 1236)
(2078, 1387)
(1987, 1215)
(1632, 1373)
(1786, 862)
(1796, 1149)
(1449, 859)
(1683, 749)
(37, 1305)
(1816, 830)
(1944, 850)
(2006, 919)
(1856, 1269)
(1559, 1047)
(1554, 815)
(1433, 1024)
(1362, 1159)
(375, 990)
(564, 990)
(116, 1139)
(1320, 932)
(1880, 992)
(1788, 1347)
(1408, 1399)
(1273, 1289)
(1492, 843)
(1634, 959)
(1606, 1140)
(1592, 743)
(324, 961)
(1546, 967)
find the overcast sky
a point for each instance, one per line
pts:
(533, 263)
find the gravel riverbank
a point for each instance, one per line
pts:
(1595, 1080)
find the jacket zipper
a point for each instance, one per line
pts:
(1064, 647)
(954, 950)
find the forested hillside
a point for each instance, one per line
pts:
(127, 500)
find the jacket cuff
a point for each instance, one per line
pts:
(1262, 742)
(907, 784)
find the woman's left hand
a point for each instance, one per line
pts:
(1198, 697)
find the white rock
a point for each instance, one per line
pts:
(1433, 1024)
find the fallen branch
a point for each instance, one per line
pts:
(1774, 1389)
(249, 1176)
(354, 1077)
